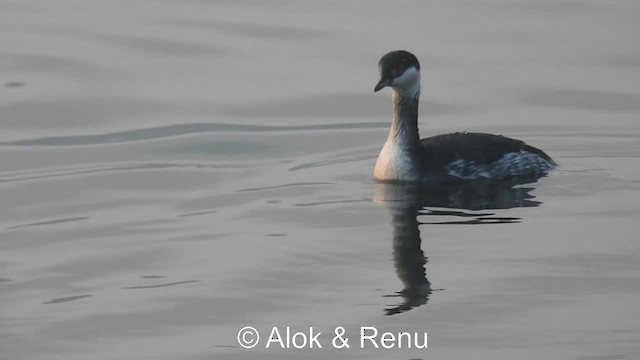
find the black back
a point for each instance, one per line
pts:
(479, 148)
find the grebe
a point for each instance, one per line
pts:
(448, 157)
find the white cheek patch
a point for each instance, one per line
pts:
(409, 81)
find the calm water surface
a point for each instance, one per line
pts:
(171, 171)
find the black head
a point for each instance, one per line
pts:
(393, 65)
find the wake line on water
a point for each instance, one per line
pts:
(180, 130)
(84, 169)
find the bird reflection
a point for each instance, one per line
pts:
(464, 204)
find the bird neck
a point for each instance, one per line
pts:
(404, 128)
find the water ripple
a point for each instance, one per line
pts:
(183, 129)
(50, 222)
(86, 169)
(48, 64)
(331, 162)
(199, 213)
(366, 200)
(161, 285)
(66, 299)
(286, 186)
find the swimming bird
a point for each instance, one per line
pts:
(460, 156)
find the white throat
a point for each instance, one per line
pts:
(397, 158)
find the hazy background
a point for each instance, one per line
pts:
(171, 171)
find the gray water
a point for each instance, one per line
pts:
(172, 171)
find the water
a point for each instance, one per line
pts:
(173, 171)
